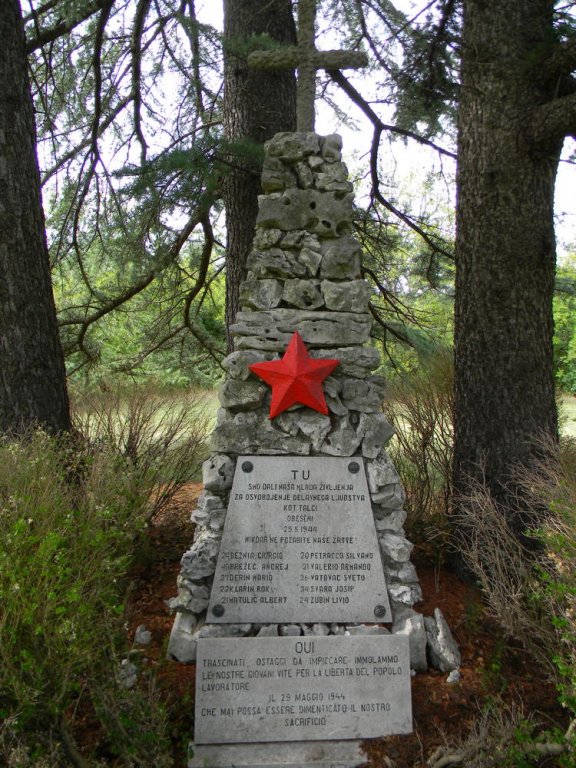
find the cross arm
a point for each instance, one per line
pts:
(290, 58)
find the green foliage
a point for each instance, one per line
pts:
(565, 327)
(67, 526)
(72, 515)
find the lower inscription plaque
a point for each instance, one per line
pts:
(296, 689)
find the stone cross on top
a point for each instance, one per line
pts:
(306, 59)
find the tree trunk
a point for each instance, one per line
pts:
(505, 249)
(256, 106)
(32, 374)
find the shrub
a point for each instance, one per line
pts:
(531, 594)
(420, 407)
(71, 514)
(161, 439)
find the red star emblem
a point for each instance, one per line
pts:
(297, 378)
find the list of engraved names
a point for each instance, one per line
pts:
(304, 542)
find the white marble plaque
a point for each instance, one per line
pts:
(301, 689)
(299, 545)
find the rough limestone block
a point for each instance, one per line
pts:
(390, 520)
(208, 505)
(291, 147)
(266, 238)
(298, 239)
(410, 623)
(276, 175)
(290, 630)
(252, 433)
(366, 630)
(218, 473)
(390, 496)
(347, 296)
(379, 385)
(342, 441)
(182, 643)
(305, 177)
(315, 162)
(332, 389)
(356, 362)
(358, 395)
(315, 630)
(236, 364)
(442, 648)
(406, 594)
(200, 560)
(375, 431)
(325, 214)
(274, 263)
(315, 426)
(193, 598)
(217, 520)
(268, 630)
(261, 294)
(142, 636)
(454, 677)
(224, 630)
(403, 572)
(272, 330)
(311, 260)
(341, 259)
(304, 294)
(381, 472)
(310, 423)
(336, 406)
(331, 148)
(239, 395)
(332, 385)
(395, 547)
(333, 177)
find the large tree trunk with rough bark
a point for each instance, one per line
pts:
(32, 374)
(256, 106)
(505, 247)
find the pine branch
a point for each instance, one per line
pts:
(88, 141)
(361, 102)
(136, 57)
(50, 34)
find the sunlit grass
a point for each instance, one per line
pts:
(567, 407)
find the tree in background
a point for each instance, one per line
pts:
(141, 225)
(257, 104)
(517, 104)
(32, 375)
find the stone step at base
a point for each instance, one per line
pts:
(300, 754)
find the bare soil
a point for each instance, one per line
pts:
(491, 666)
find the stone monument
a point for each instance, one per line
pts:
(299, 555)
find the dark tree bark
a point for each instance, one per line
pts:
(508, 155)
(256, 106)
(32, 374)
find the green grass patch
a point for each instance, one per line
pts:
(567, 412)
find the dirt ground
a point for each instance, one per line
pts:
(491, 667)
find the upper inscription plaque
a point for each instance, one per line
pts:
(299, 545)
